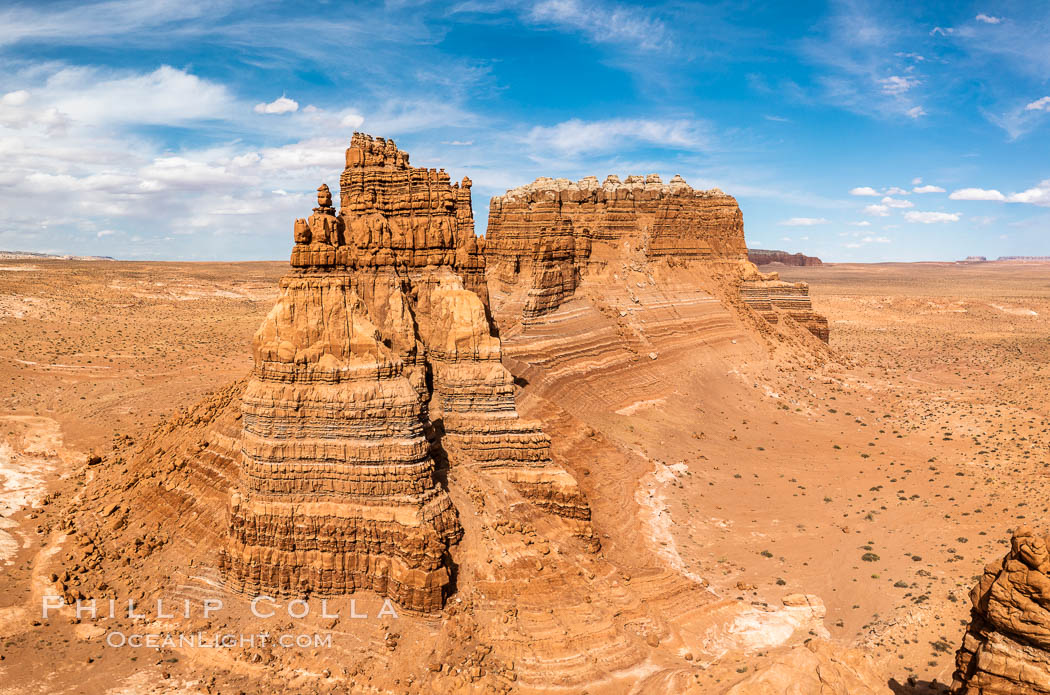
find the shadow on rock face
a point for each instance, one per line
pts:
(917, 687)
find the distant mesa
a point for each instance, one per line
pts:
(1007, 259)
(766, 257)
(32, 255)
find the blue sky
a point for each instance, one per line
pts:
(199, 130)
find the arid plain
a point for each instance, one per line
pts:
(880, 476)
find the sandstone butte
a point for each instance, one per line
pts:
(1006, 649)
(377, 361)
(377, 444)
(549, 237)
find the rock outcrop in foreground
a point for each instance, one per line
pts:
(547, 236)
(766, 256)
(1006, 649)
(816, 667)
(378, 360)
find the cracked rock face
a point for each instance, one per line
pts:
(1006, 649)
(377, 362)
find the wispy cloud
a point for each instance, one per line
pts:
(90, 23)
(860, 71)
(604, 22)
(1041, 104)
(576, 136)
(927, 189)
(931, 217)
(988, 19)
(896, 84)
(803, 221)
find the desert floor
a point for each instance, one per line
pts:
(881, 482)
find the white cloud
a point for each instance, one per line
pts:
(943, 31)
(931, 217)
(278, 106)
(876, 240)
(862, 223)
(1039, 195)
(16, 98)
(915, 112)
(927, 188)
(575, 136)
(897, 203)
(313, 154)
(897, 84)
(352, 120)
(166, 96)
(181, 173)
(877, 210)
(863, 190)
(1041, 104)
(803, 221)
(976, 194)
(893, 190)
(988, 19)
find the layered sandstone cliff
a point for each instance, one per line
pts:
(771, 297)
(766, 256)
(377, 361)
(1006, 649)
(545, 238)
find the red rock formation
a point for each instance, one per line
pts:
(763, 257)
(1006, 649)
(546, 236)
(770, 297)
(380, 338)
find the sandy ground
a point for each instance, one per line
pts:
(881, 482)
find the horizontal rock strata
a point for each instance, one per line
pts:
(771, 297)
(547, 236)
(378, 362)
